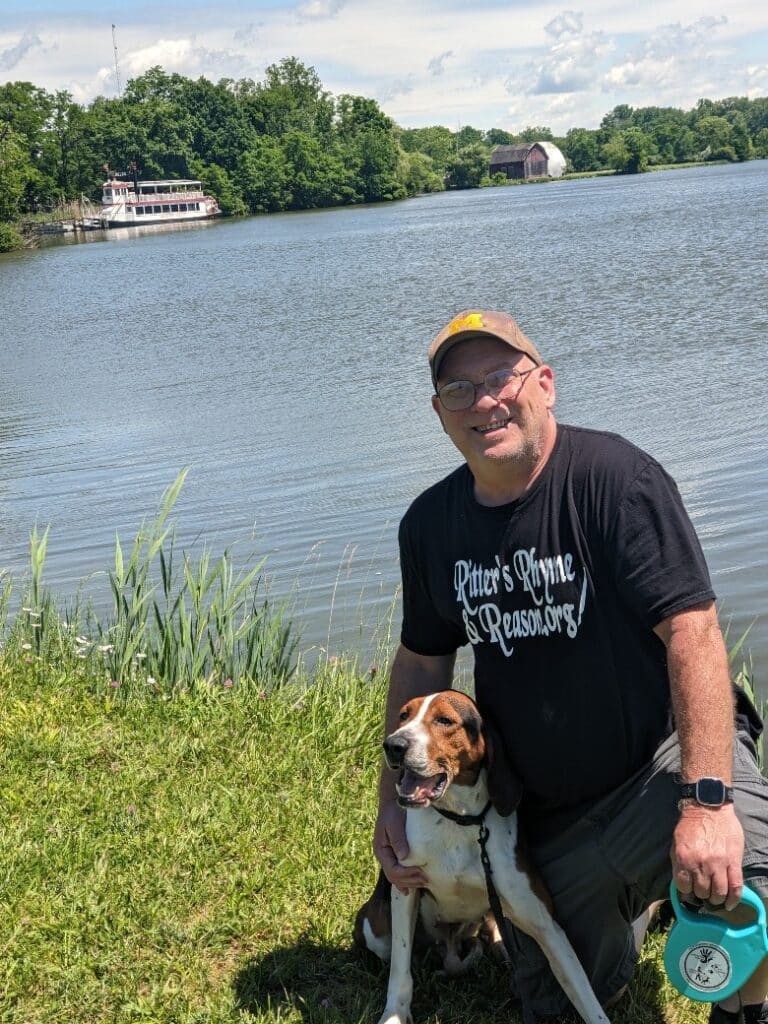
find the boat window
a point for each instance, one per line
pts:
(139, 211)
(183, 207)
(174, 207)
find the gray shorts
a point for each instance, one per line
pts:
(607, 868)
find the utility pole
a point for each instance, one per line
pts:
(117, 66)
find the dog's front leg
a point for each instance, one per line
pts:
(405, 909)
(530, 914)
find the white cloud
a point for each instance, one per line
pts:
(671, 56)
(570, 65)
(427, 62)
(568, 23)
(398, 87)
(183, 56)
(319, 8)
(757, 80)
(247, 35)
(437, 65)
(15, 54)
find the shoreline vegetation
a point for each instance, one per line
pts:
(188, 810)
(286, 143)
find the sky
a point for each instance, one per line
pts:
(488, 63)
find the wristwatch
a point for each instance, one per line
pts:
(707, 792)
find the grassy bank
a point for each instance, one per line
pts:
(199, 859)
(187, 814)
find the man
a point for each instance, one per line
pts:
(565, 558)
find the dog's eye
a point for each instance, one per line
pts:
(442, 720)
(404, 715)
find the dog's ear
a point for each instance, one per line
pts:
(505, 789)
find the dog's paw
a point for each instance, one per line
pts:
(395, 1017)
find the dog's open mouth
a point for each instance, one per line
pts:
(419, 790)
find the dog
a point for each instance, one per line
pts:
(452, 774)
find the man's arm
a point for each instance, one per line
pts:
(708, 843)
(411, 675)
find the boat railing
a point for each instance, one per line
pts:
(172, 196)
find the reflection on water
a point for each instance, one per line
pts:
(117, 234)
(283, 359)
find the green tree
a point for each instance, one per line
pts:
(628, 151)
(581, 149)
(262, 176)
(15, 171)
(468, 168)
(218, 183)
(291, 98)
(221, 132)
(369, 148)
(67, 157)
(25, 111)
(438, 142)
(740, 140)
(536, 133)
(761, 143)
(416, 172)
(498, 137)
(468, 136)
(686, 148)
(618, 119)
(714, 137)
(316, 176)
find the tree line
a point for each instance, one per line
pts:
(285, 143)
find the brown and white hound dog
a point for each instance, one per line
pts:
(449, 763)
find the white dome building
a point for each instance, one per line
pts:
(555, 159)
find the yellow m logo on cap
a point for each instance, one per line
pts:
(471, 322)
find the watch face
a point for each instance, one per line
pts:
(710, 791)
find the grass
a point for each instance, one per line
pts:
(187, 817)
(199, 859)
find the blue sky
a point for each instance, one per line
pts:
(489, 63)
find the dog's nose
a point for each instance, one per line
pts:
(395, 748)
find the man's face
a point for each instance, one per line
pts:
(507, 429)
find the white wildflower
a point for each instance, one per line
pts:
(26, 647)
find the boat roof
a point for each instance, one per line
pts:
(164, 181)
(173, 181)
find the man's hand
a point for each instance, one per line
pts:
(707, 851)
(390, 848)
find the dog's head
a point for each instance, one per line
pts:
(442, 740)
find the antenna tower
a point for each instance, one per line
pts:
(117, 66)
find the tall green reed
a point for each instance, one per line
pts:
(175, 623)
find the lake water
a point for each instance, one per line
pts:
(283, 359)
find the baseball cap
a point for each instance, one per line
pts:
(479, 323)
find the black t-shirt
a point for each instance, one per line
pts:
(558, 593)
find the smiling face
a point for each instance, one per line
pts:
(505, 440)
(439, 742)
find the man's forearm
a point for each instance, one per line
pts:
(701, 691)
(708, 842)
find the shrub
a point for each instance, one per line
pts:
(10, 238)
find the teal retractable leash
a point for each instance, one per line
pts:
(707, 958)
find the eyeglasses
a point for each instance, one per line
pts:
(462, 394)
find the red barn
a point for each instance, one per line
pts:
(525, 160)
